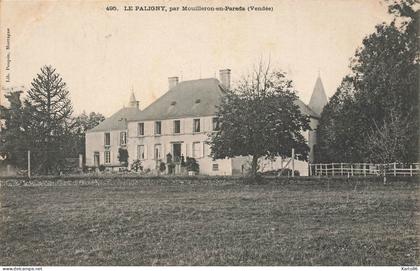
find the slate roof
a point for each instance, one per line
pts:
(319, 98)
(193, 98)
(116, 121)
(305, 109)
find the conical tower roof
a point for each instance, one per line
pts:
(319, 98)
(133, 102)
(132, 97)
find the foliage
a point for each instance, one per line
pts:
(260, 118)
(49, 113)
(281, 172)
(101, 168)
(383, 85)
(46, 111)
(162, 166)
(385, 140)
(136, 165)
(14, 131)
(182, 161)
(192, 165)
(79, 125)
(169, 158)
(123, 156)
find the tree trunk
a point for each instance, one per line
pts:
(254, 166)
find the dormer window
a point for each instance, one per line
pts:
(197, 101)
(173, 103)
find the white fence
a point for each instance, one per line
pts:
(364, 169)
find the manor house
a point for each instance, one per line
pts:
(178, 123)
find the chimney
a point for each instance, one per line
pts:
(224, 76)
(173, 81)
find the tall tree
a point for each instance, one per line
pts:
(337, 134)
(50, 115)
(385, 84)
(259, 118)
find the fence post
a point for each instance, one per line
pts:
(341, 166)
(395, 168)
(351, 169)
(293, 162)
(411, 170)
(332, 169)
(29, 164)
(364, 169)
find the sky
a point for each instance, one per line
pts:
(102, 55)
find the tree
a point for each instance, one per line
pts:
(385, 139)
(13, 134)
(50, 117)
(259, 118)
(338, 132)
(384, 82)
(85, 122)
(79, 125)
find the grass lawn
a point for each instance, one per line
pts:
(304, 223)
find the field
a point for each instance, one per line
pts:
(296, 223)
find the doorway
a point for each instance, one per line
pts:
(176, 150)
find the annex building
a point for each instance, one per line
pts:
(178, 123)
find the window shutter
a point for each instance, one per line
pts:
(202, 149)
(187, 150)
(145, 152)
(163, 154)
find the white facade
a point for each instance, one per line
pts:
(101, 151)
(152, 147)
(180, 123)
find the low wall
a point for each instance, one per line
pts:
(121, 180)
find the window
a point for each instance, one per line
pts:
(215, 124)
(107, 139)
(196, 149)
(177, 126)
(215, 167)
(157, 151)
(140, 129)
(196, 128)
(158, 128)
(123, 138)
(140, 152)
(107, 157)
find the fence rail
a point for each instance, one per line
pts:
(364, 169)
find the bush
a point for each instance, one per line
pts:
(278, 172)
(101, 168)
(192, 165)
(136, 166)
(123, 156)
(162, 166)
